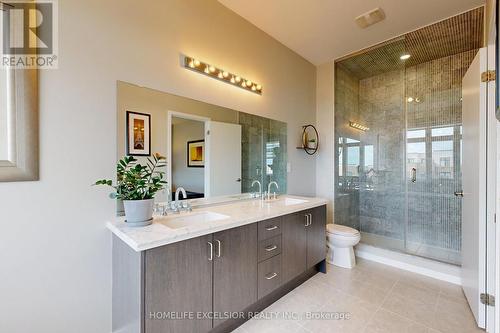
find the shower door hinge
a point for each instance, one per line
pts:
(487, 299)
(488, 76)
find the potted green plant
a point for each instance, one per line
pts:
(311, 143)
(136, 185)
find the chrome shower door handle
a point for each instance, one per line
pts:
(413, 175)
(459, 193)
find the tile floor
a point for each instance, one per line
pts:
(377, 298)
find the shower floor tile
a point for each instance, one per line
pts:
(369, 298)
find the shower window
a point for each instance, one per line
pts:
(352, 161)
(368, 162)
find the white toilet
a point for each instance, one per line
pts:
(340, 242)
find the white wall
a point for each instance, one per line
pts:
(325, 160)
(55, 251)
(192, 179)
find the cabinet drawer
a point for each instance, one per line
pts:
(269, 228)
(269, 248)
(269, 275)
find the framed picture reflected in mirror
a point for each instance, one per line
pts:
(138, 134)
(196, 154)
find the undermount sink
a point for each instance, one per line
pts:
(191, 219)
(288, 201)
(293, 201)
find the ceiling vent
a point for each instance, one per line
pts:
(373, 16)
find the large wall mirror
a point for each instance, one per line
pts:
(211, 151)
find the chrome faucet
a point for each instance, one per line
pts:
(177, 206)
(178, 191)
(260, 187)
(269, 190)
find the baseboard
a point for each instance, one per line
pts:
(407, 262)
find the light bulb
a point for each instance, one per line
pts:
(196, 62)
(233, 80)
(211, 69)
(243, 84)
(191, 64)
(220, 75)
(238, 79)
(253, 88)
(259, 87)
(410, 99)
(405, 56)
(249, 83)
(225, 74)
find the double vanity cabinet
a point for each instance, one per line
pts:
(211, 282)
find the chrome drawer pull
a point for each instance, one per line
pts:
(271, 248)
(274, 227)
(272, 276)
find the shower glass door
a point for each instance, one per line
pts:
(398, 138)
(370, 130)
(433, 156)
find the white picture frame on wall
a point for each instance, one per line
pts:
(20, 157)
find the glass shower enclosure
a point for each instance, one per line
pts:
(398, 136)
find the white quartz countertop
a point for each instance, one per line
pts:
(206, 220)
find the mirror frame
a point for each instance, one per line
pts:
(22, 163)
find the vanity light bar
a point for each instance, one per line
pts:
(358, 126)
(220, 74)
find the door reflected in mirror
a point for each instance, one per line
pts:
(211, 151)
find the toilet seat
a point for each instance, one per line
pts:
(341, 230)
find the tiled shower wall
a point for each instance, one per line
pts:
(382, 193)
(346, 108)
(373, 190)
(264, 156)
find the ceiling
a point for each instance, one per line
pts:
(323, 30)
(458, 34)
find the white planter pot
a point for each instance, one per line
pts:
(120, 210)
(138, 212)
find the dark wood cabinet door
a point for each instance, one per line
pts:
(235, 269)
(293, 245)
(178, 278)
(316, 236)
